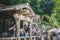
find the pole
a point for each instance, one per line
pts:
(30, 31)
(18, 30)
(16, 16)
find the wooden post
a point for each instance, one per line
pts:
(16, 16)
(18, 29)
(34, 38)
(25, 38)
(30, 31)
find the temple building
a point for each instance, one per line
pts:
(18, 22)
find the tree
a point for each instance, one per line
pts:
(13, 2)
(55, 16)
(43, 7)
(46, 7)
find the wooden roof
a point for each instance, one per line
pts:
(19, 7)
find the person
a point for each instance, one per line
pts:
(12, 30)
(54, 36)
(26, 28)
(34, 31)
(22, 32)
(51, 35)
(5, 34)
(58, 36)
(26, 34)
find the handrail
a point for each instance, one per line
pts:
(15, 38)
(9, 38)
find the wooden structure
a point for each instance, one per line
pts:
(20, 12)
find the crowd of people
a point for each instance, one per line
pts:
(24, 31)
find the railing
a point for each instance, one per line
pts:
(9, 38)
(22, 38)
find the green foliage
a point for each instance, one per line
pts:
(17, 1)
(35, 6)
(52, 20)
(46, 7)
(58, 1)
(58, 16)
(12, 2)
